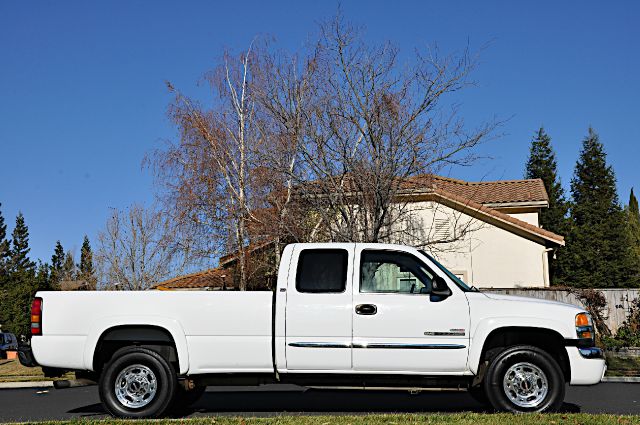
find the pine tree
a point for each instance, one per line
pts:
(5, 254)
(5, 251)
(68, 268)
(598, 252)
(20, 247)
(86, 269)
(542, 165)
(22, 283)
(633, 223)
(57, 261)
(43, 277)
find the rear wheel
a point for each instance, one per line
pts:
(524, 379)
(137, 383)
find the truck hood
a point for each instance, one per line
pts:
(530, 300)
(497, 310)
(506, 310)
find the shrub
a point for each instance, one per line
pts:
(628, 334)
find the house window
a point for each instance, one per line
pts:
(322, 271)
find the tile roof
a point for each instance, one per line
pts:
(211, 278)
(489, 192)
(483, 192)
(252, 247)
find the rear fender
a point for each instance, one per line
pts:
(172, 326)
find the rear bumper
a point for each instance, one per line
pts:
(25, 355)
(587, 365)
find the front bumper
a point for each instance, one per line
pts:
(25, 355)
(591, 353)
(587, 365)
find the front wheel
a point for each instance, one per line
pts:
(137, 383)
(524, 379)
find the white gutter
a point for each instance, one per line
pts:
(545, 267)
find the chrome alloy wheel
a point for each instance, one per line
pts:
(526, 385)
(136, 386)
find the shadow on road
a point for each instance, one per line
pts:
(90, 410)
(325, 402)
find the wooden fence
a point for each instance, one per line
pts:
(618, 300)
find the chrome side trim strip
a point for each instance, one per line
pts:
(413, 346)
(378, 345)
(319, 345)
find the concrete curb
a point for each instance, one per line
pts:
(630, 379)
(31, 384)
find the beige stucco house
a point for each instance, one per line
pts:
(487, 233)
(496, 240)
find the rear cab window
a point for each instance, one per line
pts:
(322, 271)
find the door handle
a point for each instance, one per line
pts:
(366, 309)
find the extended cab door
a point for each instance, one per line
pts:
(318, 311)
(397, 325)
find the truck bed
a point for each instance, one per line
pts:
(224, 331)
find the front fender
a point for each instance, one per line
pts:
(173, 326)
(486, 326)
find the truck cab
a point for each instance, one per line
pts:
(371, 309)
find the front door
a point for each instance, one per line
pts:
(318, 312)
(397, 325)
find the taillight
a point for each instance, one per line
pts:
(36, 316)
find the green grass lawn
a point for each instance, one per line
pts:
(460, 418)
(13, 371)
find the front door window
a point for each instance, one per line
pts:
(393, 272)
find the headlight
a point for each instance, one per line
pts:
(584, 326)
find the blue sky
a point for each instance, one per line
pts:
(82, 94)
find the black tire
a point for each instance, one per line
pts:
(531, 360)
(131, 357)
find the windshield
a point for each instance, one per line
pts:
(452, 276)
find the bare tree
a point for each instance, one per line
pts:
(285, 89)
(136, 250)
(192, 196)
(375, 126)
(324, 145)
(229, 136)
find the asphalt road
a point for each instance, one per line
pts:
(41, 404)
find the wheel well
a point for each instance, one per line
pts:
(152, 337)
(545, 339)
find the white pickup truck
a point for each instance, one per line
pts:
(345, 315)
